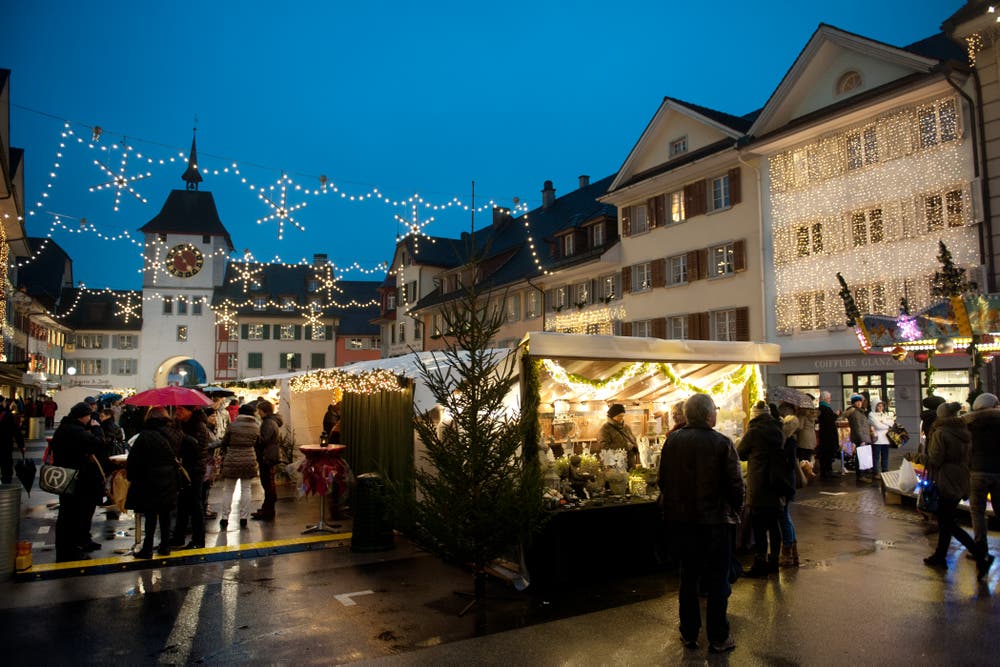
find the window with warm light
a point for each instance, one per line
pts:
(721, 259)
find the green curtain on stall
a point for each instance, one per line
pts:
(378, 431)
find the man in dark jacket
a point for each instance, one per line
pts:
(827, 437)
(861, 428)
(10, 433)
(763, 447)
(701, 489)
(984, 466)
(194, 457)
(74, 446)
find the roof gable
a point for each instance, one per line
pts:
(188, 212)
(811, 82)
(699, 126)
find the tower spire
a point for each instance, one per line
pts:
(192, 176)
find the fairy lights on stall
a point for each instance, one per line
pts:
(367, 382)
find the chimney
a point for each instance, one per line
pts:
(500, 215)
(319, 259)
(584, 180)
(548, 194)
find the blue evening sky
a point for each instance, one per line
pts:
(405, 97)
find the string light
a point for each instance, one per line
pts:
(128, 308)
(281, 210)
(330, 379)
(414, 227)
(121, 182)
(599, 321)
(864, 200)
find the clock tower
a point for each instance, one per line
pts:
(185, 251)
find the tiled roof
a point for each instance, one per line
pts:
(738, 123)
(939, 47)
(188, 212)
(42, 277)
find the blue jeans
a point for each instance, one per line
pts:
(705, 554)
(880, 452)
(787, 527)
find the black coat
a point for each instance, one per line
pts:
(74, 446)
(828, 438)
(758, 447)
(194, 450)
(700, 480)
(984, 425)
(152, 469)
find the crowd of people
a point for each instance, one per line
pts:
(706, 499)
(172, 457)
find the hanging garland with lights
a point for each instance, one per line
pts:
(367, 382)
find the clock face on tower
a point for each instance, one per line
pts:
(184, 260)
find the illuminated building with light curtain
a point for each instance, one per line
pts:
(867, 154)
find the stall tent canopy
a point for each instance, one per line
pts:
(696, 362)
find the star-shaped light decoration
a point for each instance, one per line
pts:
(414, 226)
(154, 264)
(327, 280)
(120, 181)
(908, 328)
(128, 308)
(225, 316)
(247, 273)
(281, 210)
(312, 316)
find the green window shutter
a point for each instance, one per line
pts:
(298, 332)
(329, 332)
(318, 360)
(281, 361)
(267, 331)
(277, 332)
(298, 360)
(254, 360)
(309, 332)
(244, 331)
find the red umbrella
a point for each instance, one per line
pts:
(166, 396)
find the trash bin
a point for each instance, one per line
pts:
(10, 521)
(372, 527)
(36, 428)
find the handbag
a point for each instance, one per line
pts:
(57, 480)
(928, 500)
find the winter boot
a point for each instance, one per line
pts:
(795, 554)
(785, 559)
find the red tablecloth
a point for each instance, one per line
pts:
(322, 470)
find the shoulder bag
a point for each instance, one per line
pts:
(58, 480)
(928, 499)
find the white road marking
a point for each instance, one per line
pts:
(345, 598)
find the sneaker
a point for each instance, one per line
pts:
(983, 566)
(724, 647)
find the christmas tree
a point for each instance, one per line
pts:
(950, 280)
(479, 496)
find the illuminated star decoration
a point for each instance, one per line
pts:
(224, 315)
(908, 328)
(155, 264)
(128, 308)
(312, 316)
(280, 208)
(327, 281)
(247, 273)
(121, 181)
(414, 226)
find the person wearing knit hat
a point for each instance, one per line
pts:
(616, 434)
(759, 409)
(984, 462)
(947, 463)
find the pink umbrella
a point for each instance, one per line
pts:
(169, 396)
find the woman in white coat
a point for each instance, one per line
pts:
(881, 422)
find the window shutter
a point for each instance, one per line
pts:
(308, 332)
(329, 332)
(694, 333)
(735, 189)
(627, 280)
(267, 331)
(244, 331)
(659, 327)
(626, 212)
(743, 324)
(281, 360)
(704, 270)
(658, 271)
(298, 332)
(695, 198)
(704, 326)
(626, 328)
(693, 270)
(660, 210)
(580, 242)
(740, 256)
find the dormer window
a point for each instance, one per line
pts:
(568, 245)
(288, 303)
(597, 235)
(848, 82)
(678, 146)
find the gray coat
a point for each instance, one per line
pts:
(239, 458)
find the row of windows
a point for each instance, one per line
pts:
(286, 360)
(599, 290)
(712, 262)
(100, 366)
(892, 135)
(706, 196)
(581, 240)
(180, 305)
(261, 331)
(729, 324)
(100, 341)
(890, 221)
